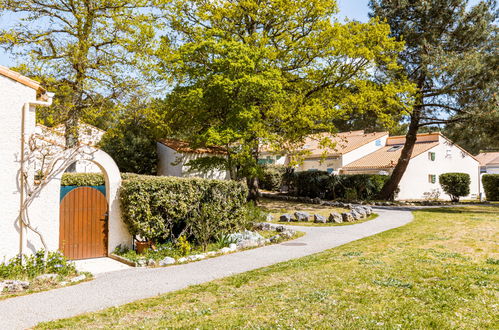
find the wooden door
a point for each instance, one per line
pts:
(83, 224)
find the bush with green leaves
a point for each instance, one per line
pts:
(345, 187)
(456, 185)
(271, 177)
(30, 266)
(491, 186)
(164, 208)
(82, 179)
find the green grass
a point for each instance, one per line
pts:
(440, 271)
(277, 208)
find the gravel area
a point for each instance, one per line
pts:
(121, 287)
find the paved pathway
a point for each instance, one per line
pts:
(121, 287)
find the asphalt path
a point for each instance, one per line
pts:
(121, 287)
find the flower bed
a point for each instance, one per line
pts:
(182, 251)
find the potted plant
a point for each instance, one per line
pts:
(142, 245)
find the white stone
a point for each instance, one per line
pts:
(225, 250)
(182, 260)
(45, 277)
(78, 278)
(167, 261)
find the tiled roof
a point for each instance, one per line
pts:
(4, 71)
(383, 158)
(345, 142)
(184, 147)
(488, 158)
(425, 137)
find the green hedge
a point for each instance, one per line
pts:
(347, 187)
(491, 186)
(271, 177)
(163, 208)
(455, 185)
(82, 179)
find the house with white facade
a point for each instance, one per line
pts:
(343, 148)
(174, 156)
(489, 162)
(433, 155)
(32, 209)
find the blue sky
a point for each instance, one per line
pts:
(353, 9)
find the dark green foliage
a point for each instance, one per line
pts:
(163, 208)
(82, 179)
(455, 184)
(30, 266)
(132, 148)
(491, 186)
(271, 177)
(349, 187)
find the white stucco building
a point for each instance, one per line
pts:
(174, 155)
(19, 97)
(433, 155)
(489, 162)
(347, 147)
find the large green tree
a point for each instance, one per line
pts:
(266, 73)
(93, 49)
(451, 56)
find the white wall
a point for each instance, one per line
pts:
(13, 96)
(415, 181)
(45, 208)
(364, 150)
(172, 163)
(338, 162)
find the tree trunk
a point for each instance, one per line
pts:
(71, 136)
(390, 187)
(253, 193)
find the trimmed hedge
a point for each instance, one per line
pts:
(346, 187)
(82, 179)
(271, 177)
(491, 186)
(455, 185)
(164, 208)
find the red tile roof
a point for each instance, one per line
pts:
(184, 147)
(4, 71)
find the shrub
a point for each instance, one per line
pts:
(350, 187)
(30, 266)
(456, 185)
(162, 208)
(311, 183)
(491, 186)
(271, 177)
(82, 179)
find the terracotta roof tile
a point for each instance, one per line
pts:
(488, 158)
(183, 146)
(383, 158)
(345, 142)
(4, 71)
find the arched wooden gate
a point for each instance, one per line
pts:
(83, 224)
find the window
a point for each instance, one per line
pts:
(330, 170)
(448, 154)
(312, 170)
(431, 156)
(378, 143)
(432, 178)
(395, 148)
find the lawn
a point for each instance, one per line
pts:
(277, 208)
(440, 271)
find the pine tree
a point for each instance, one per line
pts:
(449, 56)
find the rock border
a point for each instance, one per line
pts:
(282, 233)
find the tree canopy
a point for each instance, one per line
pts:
(95, 50)
(451, 56)
(259, 74)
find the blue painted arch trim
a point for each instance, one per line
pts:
(66, 189)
